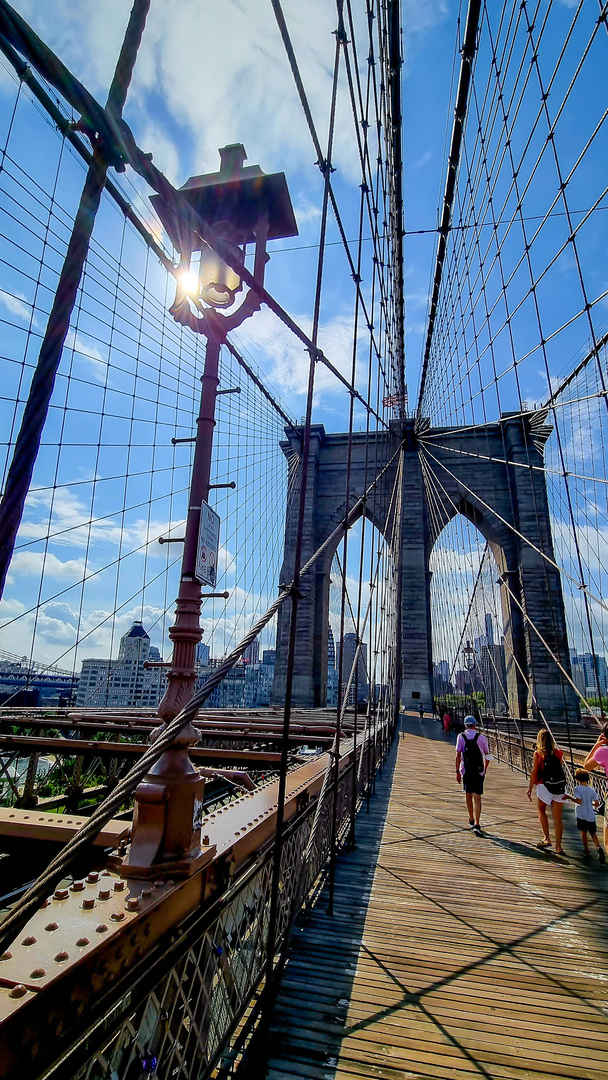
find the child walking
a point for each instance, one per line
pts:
(586, 799)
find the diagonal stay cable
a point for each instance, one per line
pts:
(579, 584)
(504, 581)
(120, 148)
(30, 901)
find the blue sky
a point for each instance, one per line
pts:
(209, 75)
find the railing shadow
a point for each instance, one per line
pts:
(310, 1021)
(325, 948)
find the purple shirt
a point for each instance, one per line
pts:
(482, 743)
(601, 756)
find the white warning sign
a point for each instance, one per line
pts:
(208, 544)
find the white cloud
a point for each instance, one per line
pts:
(71, 521)
(88, 352)
(17, 304)
(265, 335)
(36, 562)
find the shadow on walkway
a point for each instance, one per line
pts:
(473, 957)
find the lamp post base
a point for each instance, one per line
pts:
(185, 635)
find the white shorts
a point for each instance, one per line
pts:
(546, 796)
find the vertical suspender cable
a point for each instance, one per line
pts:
(43, 381)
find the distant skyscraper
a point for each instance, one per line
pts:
(331, 649)
(252, 653)
(125, 681)
(269, 656)
(489, 630)
(202, 655)
(593, 669)
(348, 658)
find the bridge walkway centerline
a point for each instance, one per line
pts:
(448, 955)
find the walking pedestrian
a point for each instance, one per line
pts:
(599, 757)
(447, 722)
(421, 711)
(586, 799)
(550, 779)
(472, 757)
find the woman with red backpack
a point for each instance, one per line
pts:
(550, 779)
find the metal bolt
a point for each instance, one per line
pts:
(82, 941)
(117, 916)
(51, 926)
(29, 940)
(104, 894)
(158, 884)
(119, 886)
(105, 873)
(93, 877)
(61, 957)
(101, 929)
(147, 891)
(132, 903)
(205, 841)
(18, 991)
(77, 886)
(61, 894)
(88, 903)
(38, 973)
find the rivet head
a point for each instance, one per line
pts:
(147, 891)
(61, 957)
(38, 973)
(18, 991)
(158, 884)
(101, 929)
(132, 903)
(51, 926)
(119, 886)
(104, 894)
(88, 903)
(77, 886)
(82, 941)
(205, 841)
(61, 894)
(117, 916)
(6, 956)
(93, 877)
(29, 940)
(105, 873)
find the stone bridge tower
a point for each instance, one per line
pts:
(469, 475)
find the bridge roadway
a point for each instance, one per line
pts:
(448, 955)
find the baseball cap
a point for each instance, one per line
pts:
(470, 721)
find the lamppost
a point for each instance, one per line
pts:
(244, 206)
(470, 659)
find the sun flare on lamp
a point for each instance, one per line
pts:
(189, 282)
(243, 206)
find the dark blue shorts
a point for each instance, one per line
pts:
(586, 826)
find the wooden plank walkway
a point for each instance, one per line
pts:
(449, 955)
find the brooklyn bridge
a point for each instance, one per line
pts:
(275, 612)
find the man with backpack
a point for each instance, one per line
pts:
(472, 756)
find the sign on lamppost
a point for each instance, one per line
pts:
(208, 544)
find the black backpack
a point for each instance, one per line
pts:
(553, 775)
(472, 757)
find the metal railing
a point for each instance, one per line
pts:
(177, 1011)
(518, 754)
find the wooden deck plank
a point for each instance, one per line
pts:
(448, 955)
